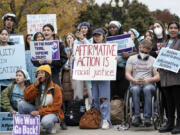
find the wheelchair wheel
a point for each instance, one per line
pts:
(159, 114)
(127, 117)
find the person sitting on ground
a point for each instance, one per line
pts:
(142, 76)
(14, 93)
(43, 98)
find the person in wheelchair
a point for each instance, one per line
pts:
(142, 76)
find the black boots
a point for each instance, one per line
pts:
(176, 129)
(167, 128)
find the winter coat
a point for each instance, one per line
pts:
(51, 102)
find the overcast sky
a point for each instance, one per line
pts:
(172, 5)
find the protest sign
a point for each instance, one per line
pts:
(31, 69)
(35, 22)
(26, 125)
(95, 62)
(12, 58)
(125, 43)
(16, 39)
(6, 122)
(168, 59)
(45, 50)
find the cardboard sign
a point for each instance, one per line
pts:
(168, 59)
(125, 43)
(45, 50)
(12, 58)
(16, 39)
(95, 62)
(36, 22)
(6, 122)
(26, 125)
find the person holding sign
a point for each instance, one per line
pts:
(120, 85)
(142, 76)
(84, 36)
(56, 65)
(171, 84)
(101, 89)
(47, 98)
(14, 93)
(9, 22)
(4, 35)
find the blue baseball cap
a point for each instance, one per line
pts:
(99, 31)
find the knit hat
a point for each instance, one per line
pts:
(25, 74)
(136, 33)
(46, 68)
(85, 24)
(99, 31)
(117, 23)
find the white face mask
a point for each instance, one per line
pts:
(158, 32)
(143, 55)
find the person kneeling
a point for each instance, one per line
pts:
(142, 76)
(43, 98)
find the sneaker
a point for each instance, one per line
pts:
(136, 122)
(105, 124)
(147, 122)
(63, 125)
(54, 129)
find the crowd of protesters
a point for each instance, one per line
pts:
(134, 71)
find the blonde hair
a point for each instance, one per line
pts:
(146, 44)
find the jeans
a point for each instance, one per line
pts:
(148, 90)
(47, 121)
(101, 89)
(78, 87)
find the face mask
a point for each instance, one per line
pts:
(143, 55)
(158, 32)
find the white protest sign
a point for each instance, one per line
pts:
(168, 59)
(45, 50)
(12, 58)
(95, 62)
(125, 43)
(16, 39)
(35, 22)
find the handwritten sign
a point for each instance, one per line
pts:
(6, 122)
(36, 22)
(95, 62)
(16, 39)
(125, 43)
(168, 59)
(45, 50)
(12, 58)
(26, 125)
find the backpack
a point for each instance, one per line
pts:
(117, 111)
(75, 110)
(90, 120)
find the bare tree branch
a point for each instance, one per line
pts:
(21, 11)
(12, 6)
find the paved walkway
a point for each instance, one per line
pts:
(111, 131)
